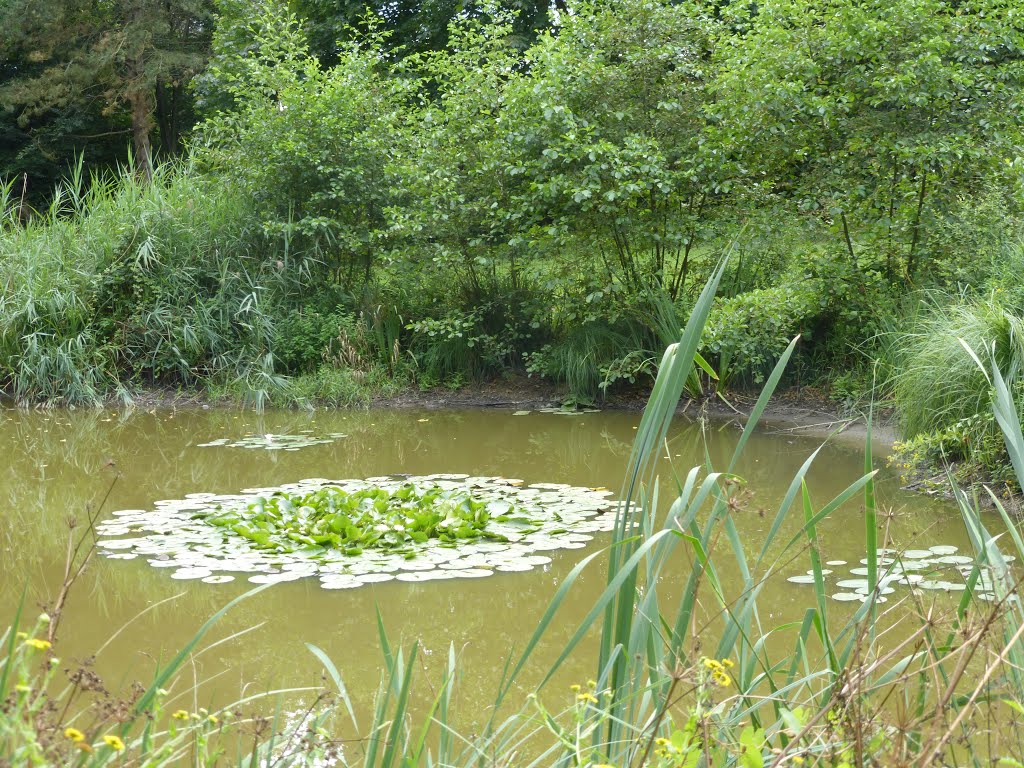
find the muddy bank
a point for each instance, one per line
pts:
(802, 410)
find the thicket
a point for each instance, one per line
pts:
(382, 215)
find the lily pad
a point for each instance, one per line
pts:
(271, 442)
(353, 532)
(801, 579)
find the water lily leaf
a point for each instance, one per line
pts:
(448, 526)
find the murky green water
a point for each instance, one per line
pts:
(57, 464)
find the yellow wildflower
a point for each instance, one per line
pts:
(574, 688)
(587, 697)
(718, 670)
(114, 742)
(23, 688)
(38, 644)
(212, 719)
(74, 734)
(181, 714)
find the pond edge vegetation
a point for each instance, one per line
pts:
(673, 685)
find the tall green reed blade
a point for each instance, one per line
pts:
(336, 678)
(12, 640)
(819, 579)
(676, 365)
(870, 523)
(395, 746)
(1005, 410)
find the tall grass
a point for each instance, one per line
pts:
(703, 679)
(936, 379)
(121, 284)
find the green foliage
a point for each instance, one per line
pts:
(372, 518)
(941, 393)
(305, 338)
(875, 115)
(334, 387)
(745, 334)
(308, 147)
(141, 284)
(610, 127)
(137, 55)
(938, 382)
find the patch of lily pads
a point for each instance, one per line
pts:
(936, 569)
(348, 533)
(272, 442)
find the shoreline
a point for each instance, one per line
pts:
(796, 411)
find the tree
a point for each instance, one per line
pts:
(416, 26)
(308, 146)
(611, 128)
(874, 115)
(84, 55)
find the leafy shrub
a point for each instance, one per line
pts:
(587, 356)
(343, 387)
(746, 334)
(303, 339)
(943, 396)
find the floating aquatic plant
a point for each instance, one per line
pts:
(353, 532)
(919, 569)
(271, 442)
(377, 518)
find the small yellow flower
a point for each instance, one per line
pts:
(23, 688)
(212, 719)
(587, 697)
(661, 742)
(181, 714)
(574, 688)
(38, 644)
(74, 734)
(114, 742)
(592, 683)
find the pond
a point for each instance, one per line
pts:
(58, 464)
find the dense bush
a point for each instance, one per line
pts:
(489, 206)
(127, 284)
(746, 334)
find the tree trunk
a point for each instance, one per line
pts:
(142, 123)
(168, 98)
